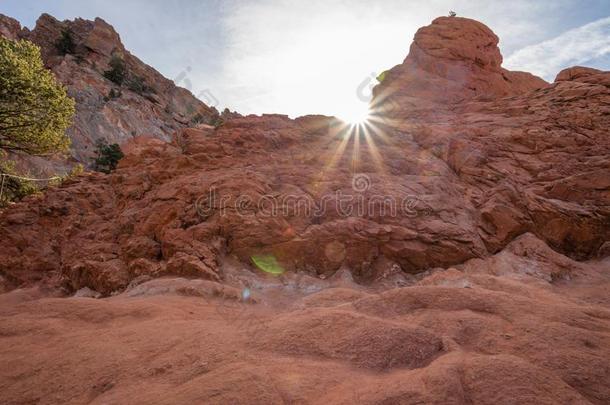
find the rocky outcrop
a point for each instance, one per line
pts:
(583, 75)
(427, 189)
(318, 197)
(10, 28)
(146, 104)
(452, 60)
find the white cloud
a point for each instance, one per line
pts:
(309, 57)
(574, 47)
(306, 57)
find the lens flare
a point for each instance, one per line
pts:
(355, 114)
(268, 264)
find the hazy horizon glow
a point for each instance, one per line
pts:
(321, 57)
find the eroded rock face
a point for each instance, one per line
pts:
(415, 190)
(471, 185)
(145, 104)
(9, 27)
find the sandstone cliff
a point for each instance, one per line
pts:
(476, 175)
(146, 104)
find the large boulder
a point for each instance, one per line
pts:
(451, 60)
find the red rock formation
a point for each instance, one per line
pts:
(157, 111)
(582, 74)
(473, 185)
(452, 60)
(9, 27)
(490, 284)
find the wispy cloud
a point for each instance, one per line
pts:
(574, 47)
(300, 57)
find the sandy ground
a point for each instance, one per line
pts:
(454, 336)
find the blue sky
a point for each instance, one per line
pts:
(299, 57)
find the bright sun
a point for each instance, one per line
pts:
(355, 114)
